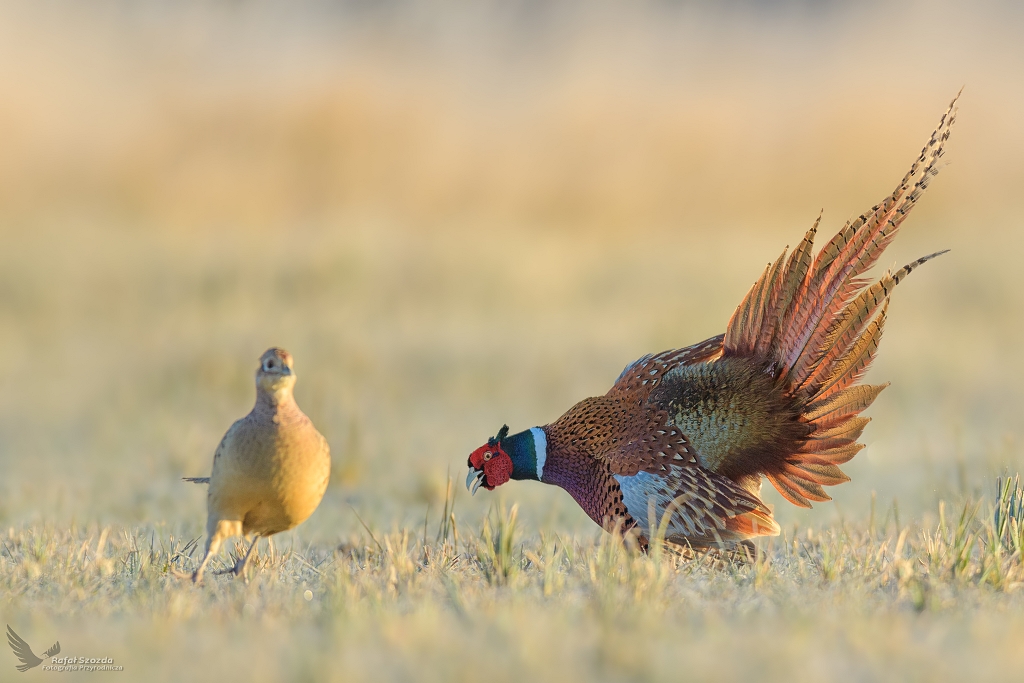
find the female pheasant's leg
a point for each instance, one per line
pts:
(216, 531)
(240, 565)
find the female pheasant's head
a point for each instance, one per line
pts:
(275, 375)
(489, 465)
(504, 457)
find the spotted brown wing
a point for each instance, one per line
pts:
(629, 431)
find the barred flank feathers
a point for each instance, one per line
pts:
(816, 323)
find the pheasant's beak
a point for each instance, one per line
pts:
(474, 479)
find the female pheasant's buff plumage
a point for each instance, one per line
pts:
(270, 470)
(687, 434)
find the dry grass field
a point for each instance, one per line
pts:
(461, 215)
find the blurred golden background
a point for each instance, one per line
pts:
(457, 215)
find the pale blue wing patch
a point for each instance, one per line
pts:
(697, 504)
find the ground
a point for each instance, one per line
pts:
(850, 602)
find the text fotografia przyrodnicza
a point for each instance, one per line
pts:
(82, 664)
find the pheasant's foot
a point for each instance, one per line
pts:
(178, 574)
(238, 568)
(234, 570)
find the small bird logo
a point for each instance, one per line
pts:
(23, 652)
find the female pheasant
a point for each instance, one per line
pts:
(686, 435)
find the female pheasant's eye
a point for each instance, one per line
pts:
(487, 456)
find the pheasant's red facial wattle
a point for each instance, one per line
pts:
(491, 465)
(498, 469)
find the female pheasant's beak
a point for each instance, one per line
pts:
(489, 466)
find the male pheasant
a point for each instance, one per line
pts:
(687, 434)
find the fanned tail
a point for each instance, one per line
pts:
(816, 323)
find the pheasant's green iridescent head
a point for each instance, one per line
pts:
(503, 457)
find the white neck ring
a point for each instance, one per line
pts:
(540, 448)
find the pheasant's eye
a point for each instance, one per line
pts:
(487, 456)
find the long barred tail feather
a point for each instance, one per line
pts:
(816, 322)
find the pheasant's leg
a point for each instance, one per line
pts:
(240, 565)
(747, 551)
(216, 532)
(212, 548)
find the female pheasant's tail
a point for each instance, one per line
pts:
(816, 322)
